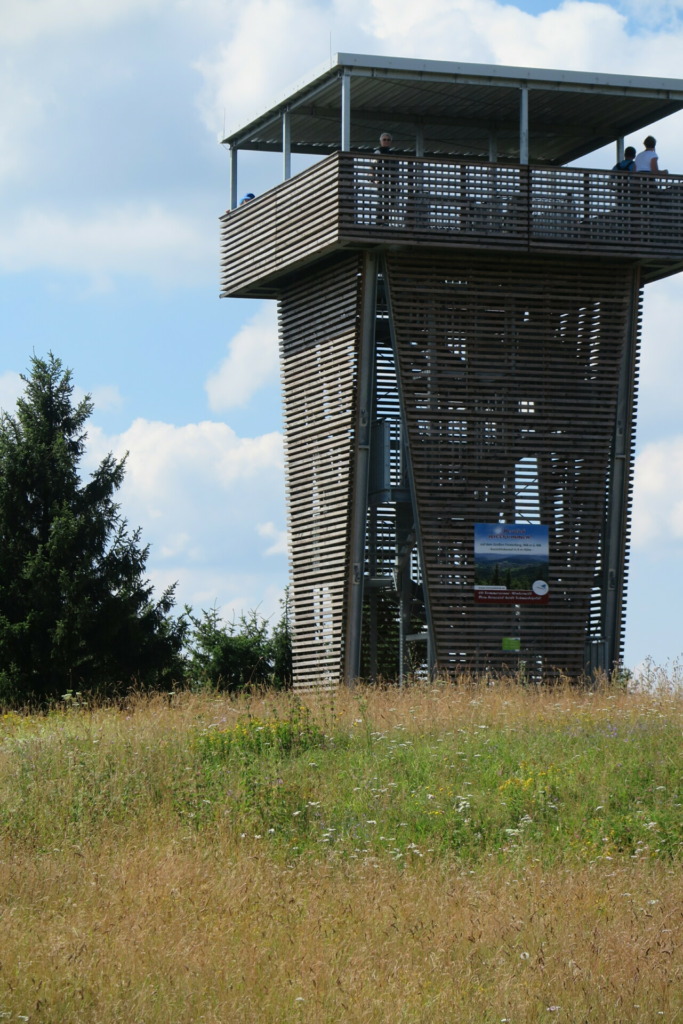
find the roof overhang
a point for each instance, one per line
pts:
(460, 110)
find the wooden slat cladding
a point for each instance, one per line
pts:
(509, 371)
(318, 343)
(282, 228)
(353, 200)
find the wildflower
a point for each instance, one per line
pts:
(524, 956)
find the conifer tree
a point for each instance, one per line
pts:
(76, 611)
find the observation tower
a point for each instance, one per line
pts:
(459, 331)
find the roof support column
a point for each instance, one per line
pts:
(286, 146)
(620, 149)
(524, 125)
(493, 148)
(419, 140)
(346, 112)
(232, 176)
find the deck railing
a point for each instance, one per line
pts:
(350, 199)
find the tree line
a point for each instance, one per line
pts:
(77, 612)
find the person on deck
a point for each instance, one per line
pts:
(385, 177)
(647, 162)
(629, 162)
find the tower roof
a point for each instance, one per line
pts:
(458, 109)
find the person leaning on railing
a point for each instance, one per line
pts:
(647, 162)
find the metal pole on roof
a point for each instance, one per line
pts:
(524, 125)
(286, 146)
(346, 112)
(232, 176)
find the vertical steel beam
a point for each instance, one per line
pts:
(619, 484)
(493, 148)
(524, 125)
(419, 140)
(286, 146)
(345, 112)
(620, 149)
(361, 470)
(408, 463)
(232, 176)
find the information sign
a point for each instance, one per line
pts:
(510, 563)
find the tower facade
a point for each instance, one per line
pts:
(459, 329)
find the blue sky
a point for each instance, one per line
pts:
(111, 183)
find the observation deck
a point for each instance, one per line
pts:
(338, 204)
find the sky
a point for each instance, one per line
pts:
(112, 179)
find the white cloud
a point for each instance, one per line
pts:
(202, 496)
(280, 538)
(662, 353)
(251, 362)
(248, 73)
(23, 21)
(144, 240)
(11, 387)
(21, 114)
(166, 462)
(251, 70)
(106, 397)
(658, 493)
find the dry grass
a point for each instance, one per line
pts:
(209, 933)
(148, 919)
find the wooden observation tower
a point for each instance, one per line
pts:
(459, 328)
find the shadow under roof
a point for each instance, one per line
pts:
(460, 108)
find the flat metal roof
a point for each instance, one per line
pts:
(461, 110)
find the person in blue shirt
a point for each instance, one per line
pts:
(629, 162)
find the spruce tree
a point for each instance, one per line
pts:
(76, 611)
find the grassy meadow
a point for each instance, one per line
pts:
(442, 853)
